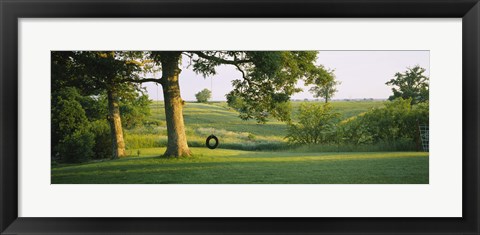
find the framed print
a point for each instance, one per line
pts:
(239, 117)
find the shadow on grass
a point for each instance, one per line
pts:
(156, 170)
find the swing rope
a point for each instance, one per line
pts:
(212, 136)
(158, 100)
(211, 92)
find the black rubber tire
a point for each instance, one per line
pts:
(208, 142)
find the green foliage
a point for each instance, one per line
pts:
(236, 103)
(394, 123)
(316, 124)
(203, 96)
(103, 141)
(94, 74)
(77, 147)
(135, 110)
(62, 68)
(95, 106)
(325, 85)
(78, 121)
(268, 78)
(353, 131)
(411, 84)
(72, 140)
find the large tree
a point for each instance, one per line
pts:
(267, 81)
(410, 84)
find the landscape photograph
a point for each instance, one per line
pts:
(240, 117)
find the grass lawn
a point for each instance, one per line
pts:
(224, 166)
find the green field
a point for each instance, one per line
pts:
(201, 120)
(222, 166)
(235, 162)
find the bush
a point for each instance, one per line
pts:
(72, 140)
(316, 124)
(353, 131)
(77, 147)
(103, 141)
(396, 123)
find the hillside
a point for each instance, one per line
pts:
(201, 120)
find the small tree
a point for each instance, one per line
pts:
(316, 124)
(410, 84)
(203, 96)
(325, 85)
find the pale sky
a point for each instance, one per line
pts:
(362, 75)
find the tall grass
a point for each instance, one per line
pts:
(136, 141)
(197, 138)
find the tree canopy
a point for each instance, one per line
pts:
(100, 76)
(267, 81)
(203, 95)
(325, 85)
(411, 84)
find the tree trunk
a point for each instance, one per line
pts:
(177, 140)
(118, 145)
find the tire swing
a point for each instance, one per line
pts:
(209, 138)
(212, 136)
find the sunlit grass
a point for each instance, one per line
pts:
(223, 166)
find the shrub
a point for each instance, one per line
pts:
(72, 140)
(77, 147)
(353, 131)
(396, 123)
(103, 141)
(316, 124)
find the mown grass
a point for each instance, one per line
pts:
(223, 166)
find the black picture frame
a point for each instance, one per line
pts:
(11, 11)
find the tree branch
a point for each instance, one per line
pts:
(249, 81)
(218, 59)
(142, 80)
